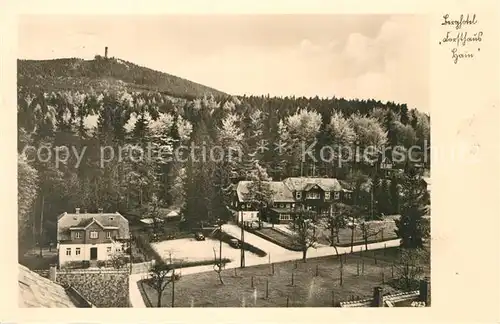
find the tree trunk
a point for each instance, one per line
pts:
(220, 275)
(336, 251)
(41, 226)
(332, 233)
(352, 238)
(304, 255)
(158, 303)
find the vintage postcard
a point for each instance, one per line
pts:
(274, 158)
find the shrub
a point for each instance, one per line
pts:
(246, 246)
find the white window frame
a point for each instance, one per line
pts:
(312, 195)
(108, 249)
(298, 195)
(327, 195)
(68, 251)
(92, 236)
(285, 217)
(108, 234)
(336, 195)
(77, 251)
(78, 235)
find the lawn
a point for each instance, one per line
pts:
(278, 238)
(315, 283)
(385, 231)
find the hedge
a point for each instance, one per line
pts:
(145, 247)
(272, 240)
(246, 246)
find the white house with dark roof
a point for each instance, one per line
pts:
(90, 236)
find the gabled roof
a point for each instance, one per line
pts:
(37, 291)
(281, 193)
(106, 220)
(300, 183)
(310, 186)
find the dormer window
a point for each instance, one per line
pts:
(108, 235)
(77, 235)
(298, 195)
(327, 195)
(94, 234)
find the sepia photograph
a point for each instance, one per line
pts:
(224, 160)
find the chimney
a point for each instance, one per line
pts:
(425, 291)
(106, 52)
(77, 210)
(53, 273)
(378, 297)
(100, 210)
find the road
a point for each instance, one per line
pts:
(277, 254)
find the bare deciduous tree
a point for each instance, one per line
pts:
(303, 227)
(160, 275)
(368, 230)
(218, 266)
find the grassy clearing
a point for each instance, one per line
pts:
(386, 232)
(279, 238)
(316, 283)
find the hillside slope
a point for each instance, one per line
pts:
(104, 73)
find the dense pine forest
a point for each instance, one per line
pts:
(76, 115)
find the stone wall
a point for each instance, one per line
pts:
(101, 287)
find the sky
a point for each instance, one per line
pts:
(352, 56)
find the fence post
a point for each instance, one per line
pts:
(252, 281)
(287, 300)
(267, 288)
(363, 266)
(333, 298)
(357, 267)
(272, 267)
(292, 278)
(316, 270)
(392, 271)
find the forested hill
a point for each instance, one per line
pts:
(104, 74)
(70, 104)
